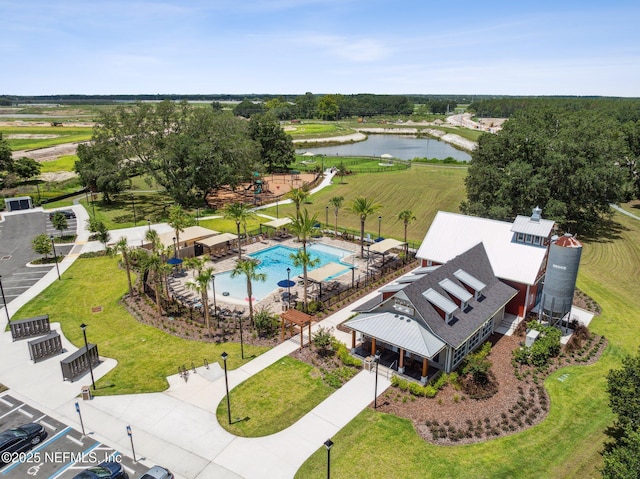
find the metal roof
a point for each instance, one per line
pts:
(458, 291)
(409, 278)
(425, 269)
(474, 283)
(452, 234)
(398, 330)
(391, 288)
(440, 301)
(528, 226)
(330, 269)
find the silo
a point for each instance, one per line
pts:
(560, 278)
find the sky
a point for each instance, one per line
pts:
(515, 47)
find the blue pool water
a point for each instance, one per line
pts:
(274, 262)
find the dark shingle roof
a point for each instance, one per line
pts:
(464, 323)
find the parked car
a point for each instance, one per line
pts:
(104, 470)
(21, 438)
(157, 472)
(67, 214)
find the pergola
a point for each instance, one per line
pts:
(326, 271)
(299, 319)
(384, 246)
(217, 240)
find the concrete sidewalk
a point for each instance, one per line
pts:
(178, 427)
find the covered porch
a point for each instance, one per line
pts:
(404, 344)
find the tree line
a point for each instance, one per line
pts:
(188, 150)
(572, 164)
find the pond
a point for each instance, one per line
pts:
(402, 147)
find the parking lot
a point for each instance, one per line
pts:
(16, 233)
(63, 453)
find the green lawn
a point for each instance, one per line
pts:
(309, 130)
(229, 226)
(567, 444)
(145, 354)
(66, 134)
(273, 399)
(64, 163)
(424, 189)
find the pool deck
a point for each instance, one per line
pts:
(272, 300)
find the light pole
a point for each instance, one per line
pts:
(149, 224)
(328, 444)
(226, 383)
(4, 301)
(326, 215)
(133, 203)
(379, 225)
(375, 394)
(175, 250)
(55, 256)
(289, 288)
(86, 348)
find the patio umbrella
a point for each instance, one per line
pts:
(174, 261)
(386, 156)
(286, 283)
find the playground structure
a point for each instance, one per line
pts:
(260, 190)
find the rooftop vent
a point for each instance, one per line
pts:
(537, 214)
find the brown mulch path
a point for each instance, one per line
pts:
(454, 418)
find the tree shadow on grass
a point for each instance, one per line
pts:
(607, 231)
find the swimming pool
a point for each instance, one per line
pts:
(274, 262)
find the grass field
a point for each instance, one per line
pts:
(273, 399)
(66, 134)
(424, 189)
(567, 444)
(310, 130)
(145, 355)
(64, 163)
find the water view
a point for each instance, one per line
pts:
(402, 147)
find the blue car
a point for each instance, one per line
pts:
(104, 470)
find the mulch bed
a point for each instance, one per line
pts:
(193, 327)
(452, 417)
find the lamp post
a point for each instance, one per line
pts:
(326, 215)
(215, 306)
(133, 204)
(175, 250)
(226, 383)
(86, 348)
(328, 444)
(4, 301)
(379, 225)
(149, 224)
(289, 288)
(375, 394)
(55, 256)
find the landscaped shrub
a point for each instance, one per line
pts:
(322, 339)
(477, 365)
(266, 323)
(547, 346)
(343, 354)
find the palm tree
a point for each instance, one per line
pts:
(153, 264)
(336, 202)
(201, 284)
(248, 267)
(303, 258)
(179, 219)
(126, 251)
(406, 216)
(152, 237)
(240, 213)
(298, 196)
(363, 207)
(304, 226)
(196, 264)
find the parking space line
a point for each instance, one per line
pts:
(28, 414)
(4, 401)
(46, 424)
(85, 452)
(12, 411)
(30, 453)
(73, 439)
